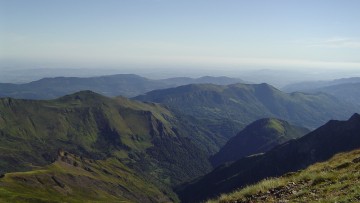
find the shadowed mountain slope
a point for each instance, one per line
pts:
(258, 137)
(319, 145)
(335, 180)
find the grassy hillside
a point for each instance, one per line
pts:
(77, 179)
(147, 138)
(258, 137)
(335, 180)
(319, 145)
(241, 104)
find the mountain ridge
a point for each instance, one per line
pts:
(242, 104)
(319, 145)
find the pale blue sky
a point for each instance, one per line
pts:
(193, 33)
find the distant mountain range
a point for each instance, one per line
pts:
(347, 89)
(228, 108)
(222, 80)
(309, 85)
(127, 85)
(349, 92)
(319, 145)
(258, 137)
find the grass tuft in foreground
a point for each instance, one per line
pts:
(336, 180)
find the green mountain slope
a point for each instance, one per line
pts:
(258, 137)
(73, 178)
(319, 145)
(147, 138)
(240, 104)
(335, 180)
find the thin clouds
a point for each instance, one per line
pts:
(248, 62)
(336, 42)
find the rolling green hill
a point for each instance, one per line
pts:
(335, 180)
(319, 145)
(147, 138)
(258, 137)
(228, 109)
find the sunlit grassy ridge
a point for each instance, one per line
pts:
(276, 125)
(335, 180)
(84, 121)
(76, 179)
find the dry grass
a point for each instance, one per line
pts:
(333, 180)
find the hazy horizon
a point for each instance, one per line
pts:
(276, 77)
(208, 35)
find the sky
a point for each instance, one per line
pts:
(234, 34)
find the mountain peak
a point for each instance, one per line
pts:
(258, 137)
(270, 123)
(266, 86)
(355, 117)
(85, 95)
